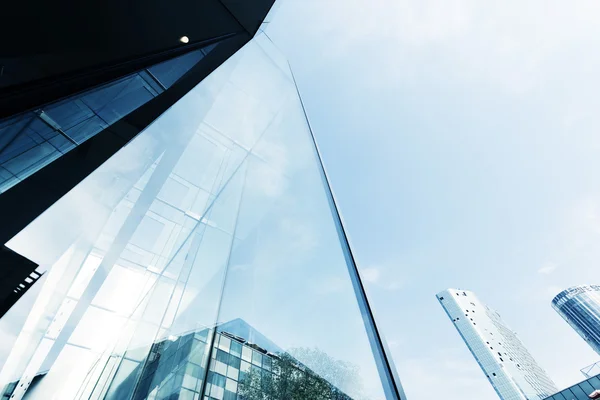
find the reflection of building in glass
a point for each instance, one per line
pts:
(36, 138)
(504, 359)
(580, 307)
(588, 389)
(591, 370)
(68, 102)
(238, 368)
(206, 203)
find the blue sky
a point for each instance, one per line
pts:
(461, 142)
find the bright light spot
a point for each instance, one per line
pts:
(184, 39)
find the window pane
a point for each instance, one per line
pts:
(216, 218)
(82, 116)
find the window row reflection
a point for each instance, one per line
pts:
(30, 141)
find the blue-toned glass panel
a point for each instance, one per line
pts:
(579, 393)
(214, 223)
(595, 382)
(586, 387)
(30, 141)
(170, 71)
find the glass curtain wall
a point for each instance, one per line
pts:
(582, 391)
(34, 139)
(203, 261)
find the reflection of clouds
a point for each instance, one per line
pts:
(302, 236)
(266, 180)
(86, 207)
(292, 241)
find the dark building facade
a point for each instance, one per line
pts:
(77, 85)
(159, 176)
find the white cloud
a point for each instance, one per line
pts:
(382, 276)
(393, 285)
(547, 269)
(370, 274)
(513, 45)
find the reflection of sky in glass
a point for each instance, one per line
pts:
(217, 211)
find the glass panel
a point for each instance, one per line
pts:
(211, 237)
(586, 387)
(170, 71)
(30, 141)
(595, 382)
(579, 393)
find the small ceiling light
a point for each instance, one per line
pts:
(184, 39)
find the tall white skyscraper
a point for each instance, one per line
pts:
(507, 364)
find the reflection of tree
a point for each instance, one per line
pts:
(291, 380)
(342, 374)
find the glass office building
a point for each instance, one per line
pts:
(580, 307)
(219, 210)
(509, 367)
(75, 89)
(32, 140)
(249, 366)
(588, 389)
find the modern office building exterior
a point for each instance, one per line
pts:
(80, 80)
(507, 364)
(585, 390)
(238, 367)
(580, 307)
(164, 185)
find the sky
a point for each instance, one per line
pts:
(460, 139)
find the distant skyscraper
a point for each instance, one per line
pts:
(580, 307)
(507, 364)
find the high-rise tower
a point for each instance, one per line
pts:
(580, 307)
(507, 364)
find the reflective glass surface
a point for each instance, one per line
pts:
(32, 140)
(580, 391)
(204, 260)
